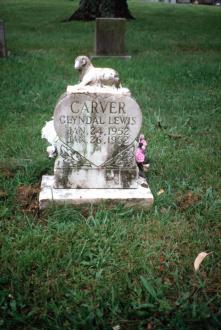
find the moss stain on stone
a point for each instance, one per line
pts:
(62, 178)
(127, 177)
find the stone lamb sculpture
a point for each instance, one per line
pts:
(100, 77)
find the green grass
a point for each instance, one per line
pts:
(96, 268)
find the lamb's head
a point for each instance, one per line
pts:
(81, 63)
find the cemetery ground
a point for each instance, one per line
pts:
(111, 266)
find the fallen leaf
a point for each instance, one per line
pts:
(199, 259)
(149, 326)
(160, 192)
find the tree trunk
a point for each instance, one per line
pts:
(90, 9)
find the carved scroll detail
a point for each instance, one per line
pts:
(124, 159)
(73, 158)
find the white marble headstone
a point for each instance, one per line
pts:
(97, 132)
(93, 137)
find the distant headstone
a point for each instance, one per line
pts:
(183, 1)
(93, 134)
(110, 37)
(3, 52)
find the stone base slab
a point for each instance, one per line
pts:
(139, 198)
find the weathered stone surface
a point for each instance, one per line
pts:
(98, 127)
(3, 52)
(140, 198)
(110, 36)
(97, 133)
(93, 137)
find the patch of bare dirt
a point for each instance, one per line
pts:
(6, 172)
(27, 198)
(188, 200)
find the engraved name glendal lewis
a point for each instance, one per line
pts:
(108, 120)
(89, 122)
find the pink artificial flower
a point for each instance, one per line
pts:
(139, 155)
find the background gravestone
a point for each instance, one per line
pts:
(3, 52)
(183, 1)
(110, 37)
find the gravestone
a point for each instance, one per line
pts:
(110, 37)
(183, 1)
(93, 136)
(3, 52)
(97, 130)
